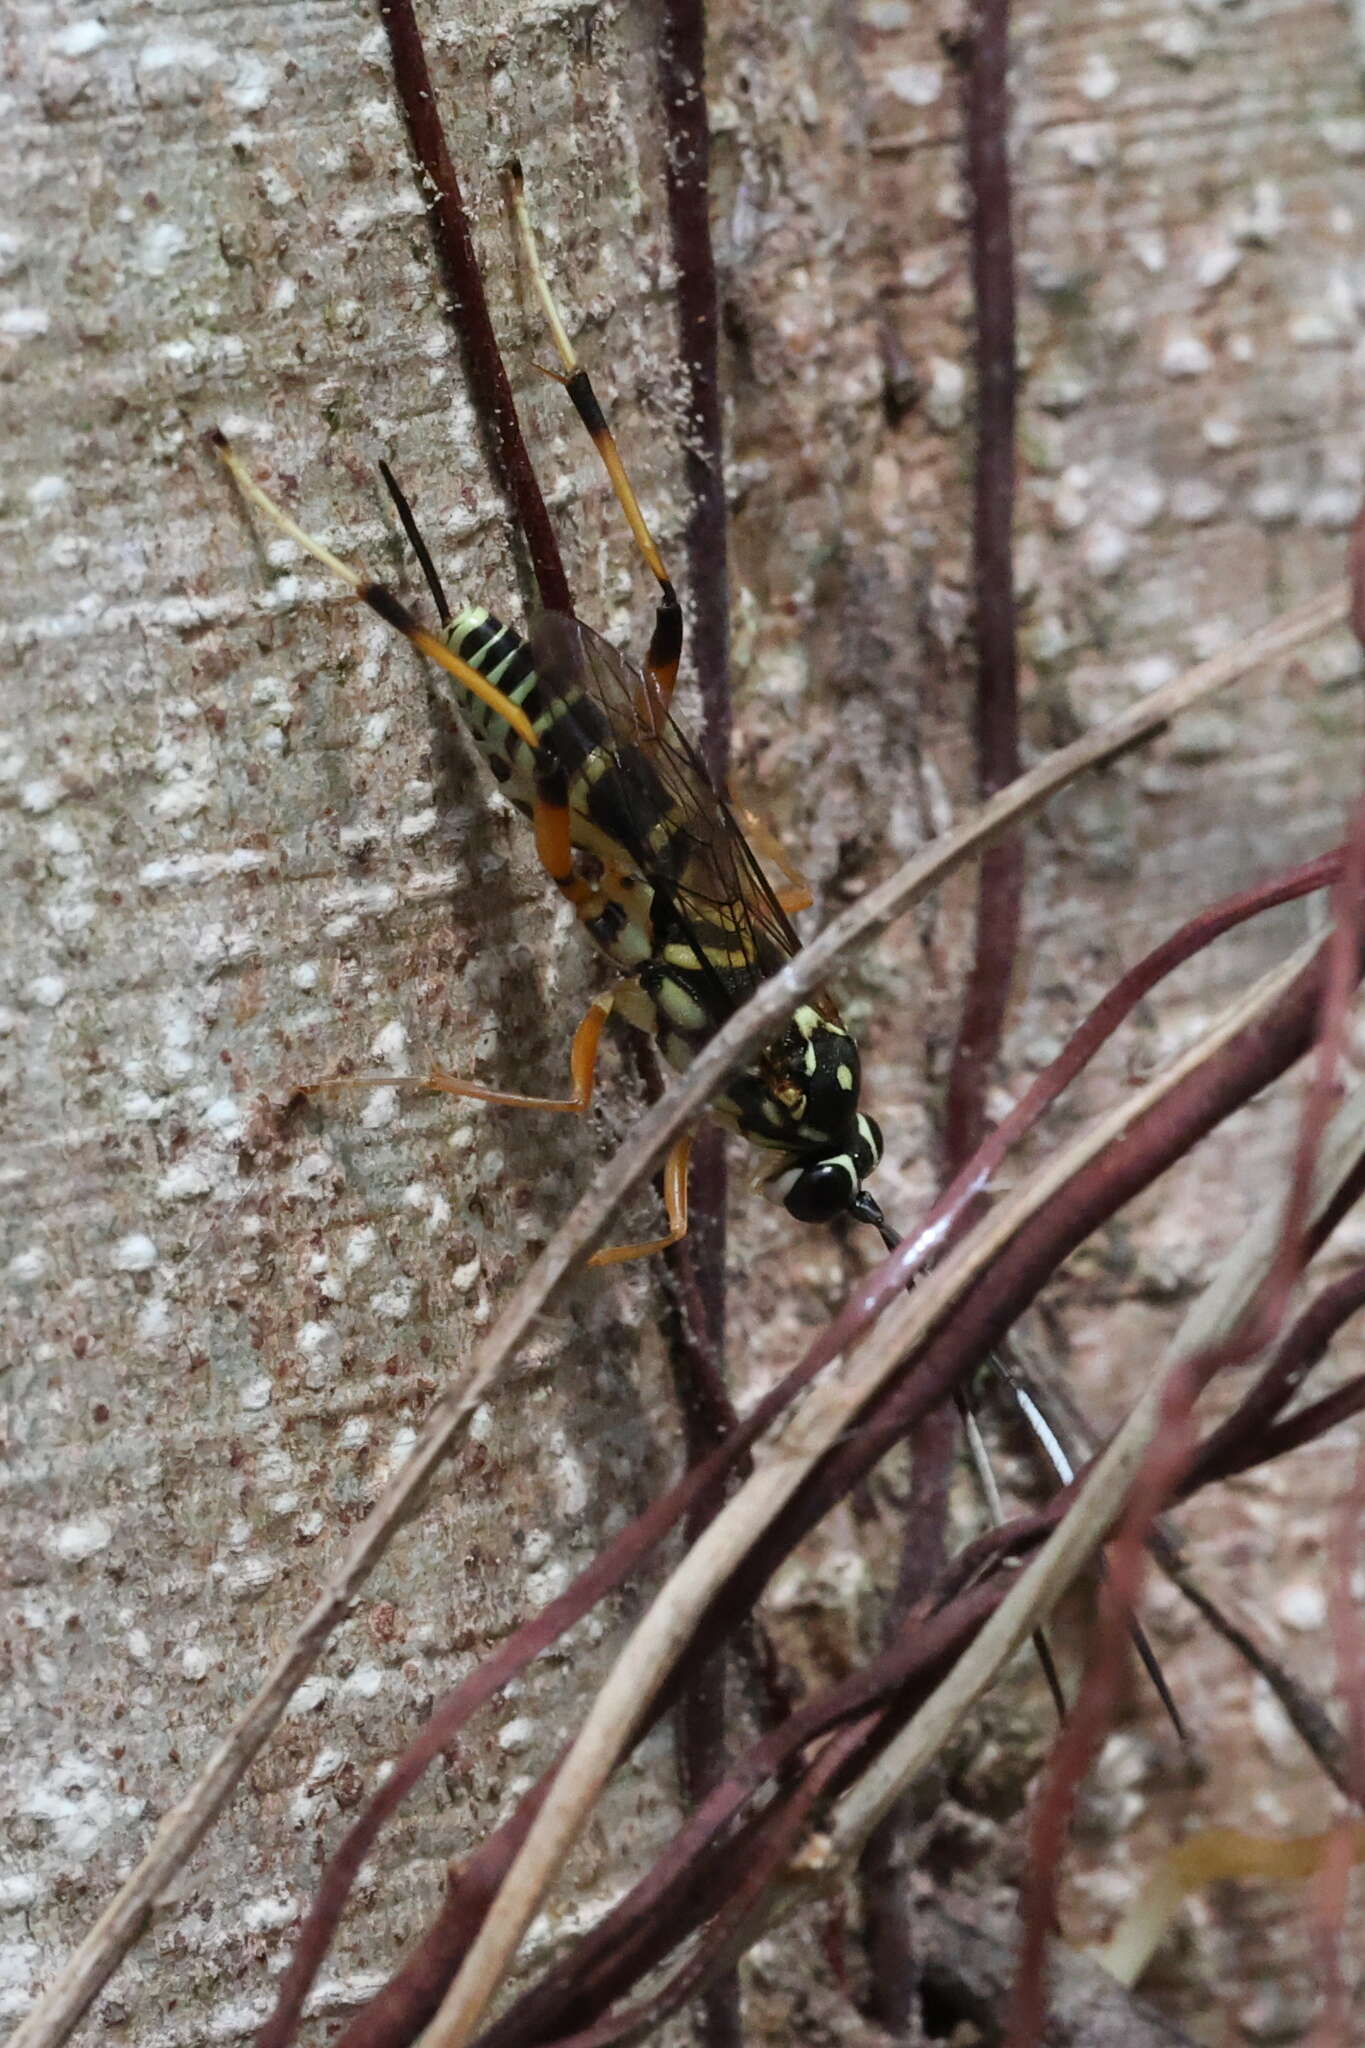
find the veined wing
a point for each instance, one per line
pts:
(654, 801)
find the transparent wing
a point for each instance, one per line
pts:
(665, 816)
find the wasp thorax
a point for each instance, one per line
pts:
(820, 1074)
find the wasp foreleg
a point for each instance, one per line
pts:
(675, 1206)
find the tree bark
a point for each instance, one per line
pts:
(241, 854)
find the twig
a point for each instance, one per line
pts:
(185, 1824)
(970, 1968)
(1100, 1499)
(697, 1265)
(826, 1413)
(682, 88)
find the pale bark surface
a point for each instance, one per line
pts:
(238, 853)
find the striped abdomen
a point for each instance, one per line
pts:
(612, 788)
(692, 955)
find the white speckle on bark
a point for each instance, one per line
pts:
(1179, 39)
(1216, 263)
(153, 1327)
(1302, 1605)
(1105, 548)
(1149, 247)
(919, 85)
(24, 323)
(75, 1541)
(1089, 145)
(361, 1246)
(79, 38)
(1071, 499)
(264, 1914)
(465, 1276)
(516, 1735)
(1346, 138)
(161, 244)
(391, 1043)
(47, 991)
(1097, 80)
(945, 400)
(315, 1691)
(252, 84)
(1275, 504)
(135, 1253)
(393, 1303)
(1185, 355)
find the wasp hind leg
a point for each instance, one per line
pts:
(796, 896)
(665, 646)
(582, 1073)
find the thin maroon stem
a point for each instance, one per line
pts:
(459, 267)
(701, 1266)
(888, 1923)
(887, 1915)
(1239, 1440)
(996, 705)
(687, 163)
(1171, 1452)
(943, 1219)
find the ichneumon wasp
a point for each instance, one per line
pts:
(655, 864)
(652, 858)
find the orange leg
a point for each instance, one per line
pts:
(675, 1205)
(582, 1073)
(765, 843)
(553, 827)
(665, 647)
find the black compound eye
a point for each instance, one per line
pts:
(822, 1191)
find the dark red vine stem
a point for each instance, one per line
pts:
(698, 1267)
(887, 1913)
(453, 241)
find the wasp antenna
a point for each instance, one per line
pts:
(531, 254)
(984, 1473)
(377, 596)
(252, 492)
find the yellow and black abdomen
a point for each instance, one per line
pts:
(613, 794)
